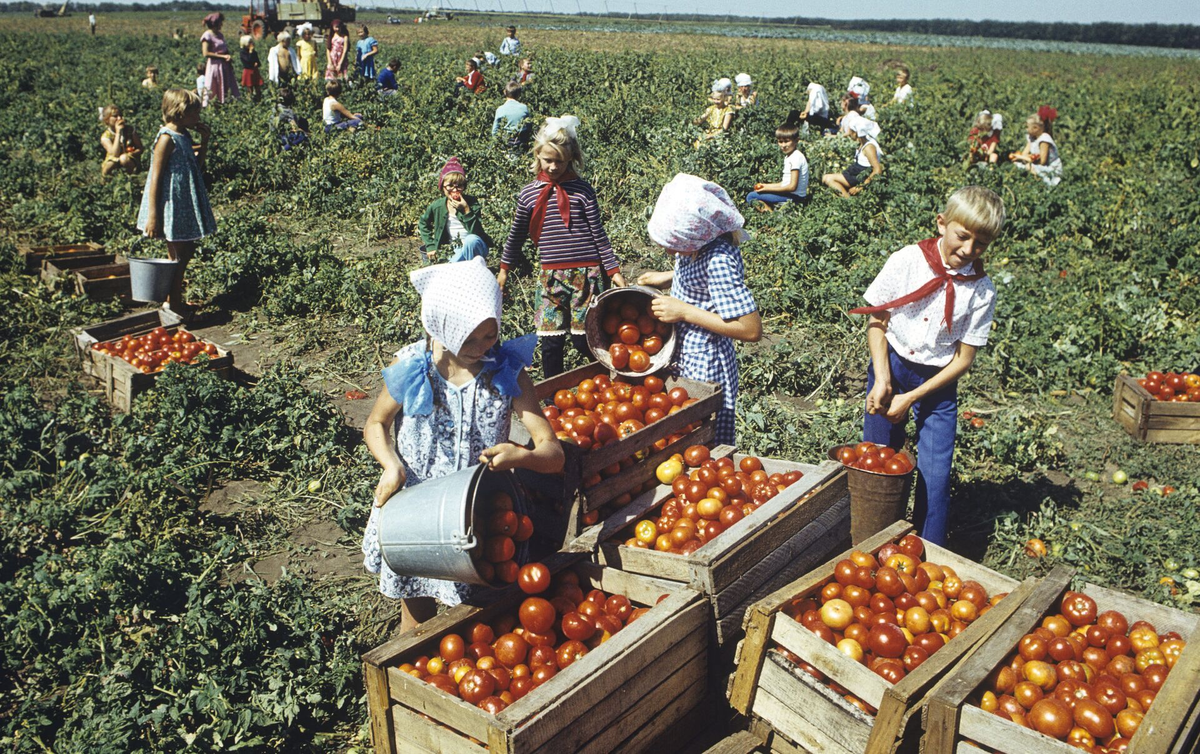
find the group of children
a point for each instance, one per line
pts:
(1039, 155)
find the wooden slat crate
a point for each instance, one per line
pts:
(1169, 726)
(1151, 420)
(104, 282)
(784, 538)
(57, 268)
(568, 488)
(121, 382)
(35, 255)
(801, 712)
(636, 692)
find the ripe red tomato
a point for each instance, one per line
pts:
(695, 456)
(511, 650)
(575, 626)
(570, 651)
(564, 399)
(476, 686)
(619, 354)
(452, 647)
(628, 333)
(524, 528)
(887, 640)
(537, 615)
(639, 361)
(498, 549)
(678, 395)
(652, 344)
(534, 578)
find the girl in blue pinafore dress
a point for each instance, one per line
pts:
(696, 220)
(175, 203)
(450, 399)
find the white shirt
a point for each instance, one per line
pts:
(917, 331)
(796, 161)
(273, 62)
(902, 93)
(1035, 147)
(848, 121)
(201, 85)
(456, 228)
(330, 116)
(92, 20)
(510, 46)
(868, 111)
(818, 100)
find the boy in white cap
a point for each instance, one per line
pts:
(746, 95)
(450, 398)
(696, 220)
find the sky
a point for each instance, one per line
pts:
(1077, 11)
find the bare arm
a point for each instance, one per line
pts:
(112, 147)
(786, 188)
(1044, 155)
(872, 156)
(881, 393)
(659, 280)
(377, 433)
(162, 152)
(747, 327)
(727, 121)
(134, 140)
(546, 456)
(964, 357)
(340, 108)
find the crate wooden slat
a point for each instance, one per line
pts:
(121, 382)
(104, 282)
(1168, 725)
(35, 255)
(810, 715)
(609, 700)
(55, 268)
(1151, 420)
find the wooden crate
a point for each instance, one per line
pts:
(781, 540)
(35, 255)
(57, 268)
(121, 382)
(636, 692)
(1151, 420)
(804, 713)
(1169, 726)
(568, 489)
(104, 282)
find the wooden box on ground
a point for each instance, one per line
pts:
(1151, 420)
(581, 466)
(104, 282)
(642, 690)
(54, 269)
(1169, 726)
(121, 382)
(35, 255)
(783, 539)
(801, 713)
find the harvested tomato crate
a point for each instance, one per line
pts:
(800, 713)
(1170, 725)
(120, 380)
(56, 269)
(1151, 420)
(568, 488)
(772, 546)
(642, 690)
(104, 282)
(35, 255)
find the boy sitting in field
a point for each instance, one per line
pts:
(513, 117)
(387, 78)
(931, 311)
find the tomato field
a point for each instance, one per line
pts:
(188, 575)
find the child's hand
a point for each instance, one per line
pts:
(502, 278)
(879, 398)
(203, 129)
(504, 456)
(654, 279)
(152, 229)
(854, 190)
(759, 186)
(618, 280)
(897, 412)
(669, 309)
(390, 482)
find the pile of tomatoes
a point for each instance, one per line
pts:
(491, 665)
(504, 527)
(601, 411)
(879, 459)
(713, 497)
(1179, 387)
(152, 352)
(633, 333)
(890, 611)
(1082, 677)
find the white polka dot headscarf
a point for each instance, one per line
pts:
(455, 299)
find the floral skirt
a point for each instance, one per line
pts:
(563, 299)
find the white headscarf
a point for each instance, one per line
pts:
(723, 86)
(859, 87)
(567, 123)
(997, 122)
(867, 128)
(455, 299)
(691, 212)
(743, 79)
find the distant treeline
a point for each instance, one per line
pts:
(28, 7)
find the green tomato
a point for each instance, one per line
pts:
(314, 486)
(1171, 564)
(1091, 476)
(1120, 477)
(1191, 574)
(1076, 526)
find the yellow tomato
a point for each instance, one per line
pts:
(646, 532)
(668, 470)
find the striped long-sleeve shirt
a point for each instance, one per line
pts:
(584, 244)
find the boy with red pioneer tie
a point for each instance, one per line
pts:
(930, 311)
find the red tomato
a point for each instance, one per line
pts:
(536, 614)
(629, 334)
(476, 686)
(498, 549)
(652, 344)
(524, 529)
(564, 399)
(534, 578)
(619, 354)
(639, 361)
(575, 626)
(678, 395)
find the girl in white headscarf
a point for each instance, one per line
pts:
(696, 220)
(851, 180)
(450, 398)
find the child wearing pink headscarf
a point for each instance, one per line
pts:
(449, 398)
(697, 221)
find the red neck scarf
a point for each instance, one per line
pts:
(538, 216)
(941, 278)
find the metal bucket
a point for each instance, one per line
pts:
(876, 500)
(599, 341)
(432, 529)
(151, 279)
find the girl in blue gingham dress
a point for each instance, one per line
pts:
(696, 220)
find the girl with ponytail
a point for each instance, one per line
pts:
(1040, 155)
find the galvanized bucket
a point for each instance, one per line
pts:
(151, 279)
(432, 529)
(876, 500)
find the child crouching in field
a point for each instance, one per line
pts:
(851, 181)
(558, 212)
(793, 186)
(931, 311)
(449, 398)
(334, 114)
(695, 220)
(122, 145)
(1040, 155)
(175, 203)
(718, 116)
(453, 219)
(983, 139)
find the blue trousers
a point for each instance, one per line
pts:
(472, 246)
(936, 417)
(770, 198)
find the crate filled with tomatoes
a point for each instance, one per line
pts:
(615, 431)
(733, 527)
(126, 355)
(843, 659)
(579, 658)
(1092, 669)
(1160, 407)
